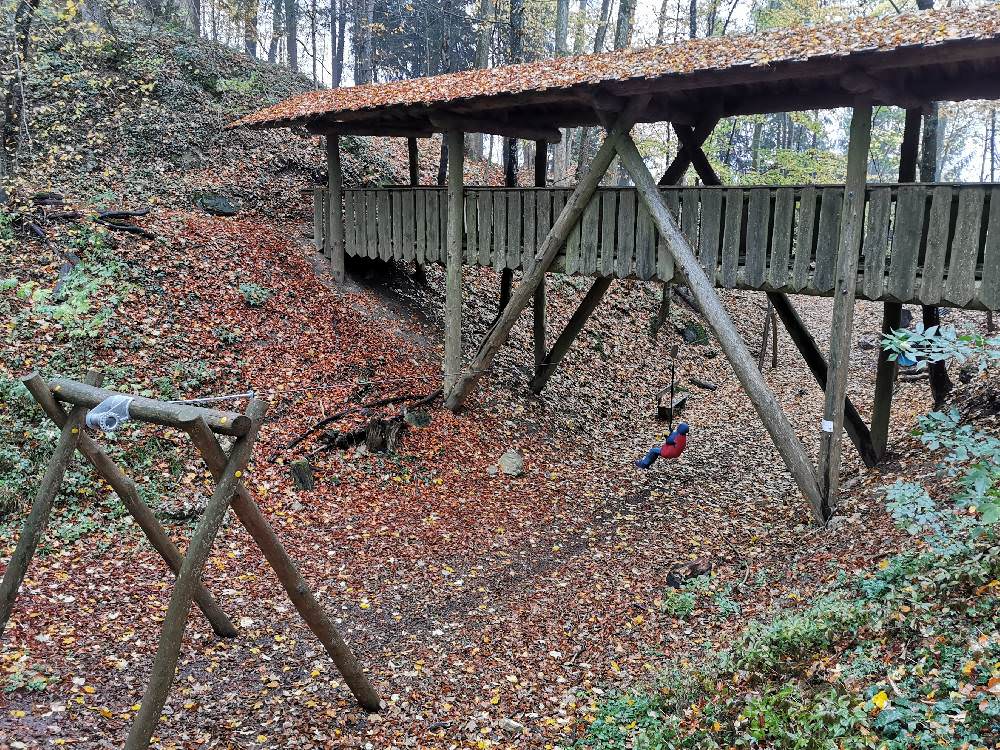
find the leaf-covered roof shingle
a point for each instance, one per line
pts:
(863, 37)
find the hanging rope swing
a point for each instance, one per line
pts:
(675, 441)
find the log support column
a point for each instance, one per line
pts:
(842, 328)
(456, 236)
(335, 207)
(539, 324)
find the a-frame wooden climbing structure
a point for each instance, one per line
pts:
(898, 243)
(202, 425)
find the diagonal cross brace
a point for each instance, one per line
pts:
(554, 241)
(777, 424)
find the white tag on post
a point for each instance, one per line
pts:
(826, 425)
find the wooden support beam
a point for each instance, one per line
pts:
(362, 129)
(539, 318)
(675, 171)
(284, 567)
(413, 159)
(335, 220)
(148, 410)
(885, 382)
(38, 518)
(174, 622)
(842, 328)
(456, 232)
(859, 82)
(692, 143)
(495, 127)
(553, 243)
(886, 370)
(806, 344)
(126, 490)
(703, 290)
(573, 328)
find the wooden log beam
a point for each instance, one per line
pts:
(284, 567)
(149, 410)
(38, 518)
(125, 488)
(174, 622)
(413, 160)
(335, 220)
(573, 328)
(692, 143)
(539, 303)
(374, 129)
(675, 171)
(449, 122)
(731, 342)
(842, 327)
(456, 237)
(857, 430)
(553, 243)
(859, 82)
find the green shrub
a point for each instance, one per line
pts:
(254, 294)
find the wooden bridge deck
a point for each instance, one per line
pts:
(925, 243)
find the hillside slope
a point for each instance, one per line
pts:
(492, 609)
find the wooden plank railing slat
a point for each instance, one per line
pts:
(805, 238)
(383, 221)
(758, 218)
(500, 230)
(645, 244)
(471, 253)
(961, 287)
(664, 258)
(420, 215)
(781, 240)
(906, 236)
(514, 238)
(989, 289)
(529, 244)
(484, 199)
(543, 219)
(711, 231)
(433, 219)
(589, 241)
(396, 200)
(876, 242)
(932, 272)
(828, 238)
(408, 231)
(690, 215)
(573, 248)
(731, 238)
(626, 234)
(609, 231)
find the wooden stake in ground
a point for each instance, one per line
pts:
(41, 507)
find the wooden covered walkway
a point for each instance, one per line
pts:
(922, 243)
(931, 244)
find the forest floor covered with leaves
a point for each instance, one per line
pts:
(490, 610)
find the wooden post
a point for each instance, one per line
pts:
(126, 490)
(298, 590)
(27, 543)
(676, 169)
(539, 322)
(168, 649)
(335, 219)
(456, 236)
(806, 344)
(413, 158)
(842, 328)
(885, 382)
(554, 241)
(576, 323)
(703, 290)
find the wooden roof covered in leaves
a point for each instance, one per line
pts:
(905, 60)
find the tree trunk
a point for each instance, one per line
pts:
(586, 134)
(626, 18)
(693, 20)
(292, 35)
(484, 35)
(250, 28)
(337, 68)
(661, 22)
(277, 30)
(13, 103)
(562, 28)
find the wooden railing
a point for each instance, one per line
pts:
(928, 243)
